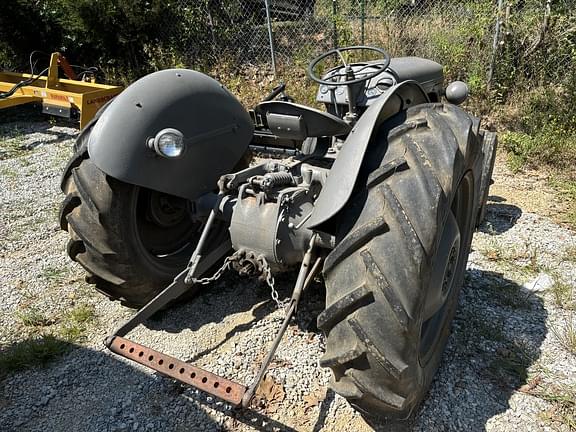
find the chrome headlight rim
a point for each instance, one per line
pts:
(156, 145)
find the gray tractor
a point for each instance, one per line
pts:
(175, 182)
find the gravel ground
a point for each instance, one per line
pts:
(503, 369)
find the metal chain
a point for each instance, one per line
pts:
(266, 275)
(269, 279)
(219, 272)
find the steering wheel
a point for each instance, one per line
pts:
(349, 73)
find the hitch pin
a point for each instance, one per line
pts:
(304, 279)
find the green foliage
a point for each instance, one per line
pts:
(562, 294)
(545, 129)
(566, 187)
(536, 47)
(550, 104)
(75, 323)
(37, 351)
(119, 33)
(554, 145)
(532, 83)
(33, 317)
(453, 43)
(123, 37)
(17, 19)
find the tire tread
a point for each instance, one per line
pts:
(370, 345)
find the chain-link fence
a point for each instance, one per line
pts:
(480, 41)
(503, 43)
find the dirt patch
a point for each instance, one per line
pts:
(529, 190)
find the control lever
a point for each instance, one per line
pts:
(279, 91)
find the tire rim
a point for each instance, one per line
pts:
(164, 225)
(447, 271)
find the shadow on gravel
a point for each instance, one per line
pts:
(106, 394)
(18, 126)
(499, 217)
(31, 352)
(496, 336)
(235, 294)
(32, 113)
(92, 391)
(324, 410)
(48, 134)
(23, 113)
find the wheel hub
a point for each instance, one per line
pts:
(444, 268)
(450, 270)
(165, 210)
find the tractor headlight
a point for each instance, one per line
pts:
(168, 143)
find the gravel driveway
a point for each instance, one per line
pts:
(509, 364)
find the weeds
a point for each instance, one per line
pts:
(517, 259)
(11, 143)
(526, 256)
(37, 351)
(8, 173)
(565, 333)
(494, 252)
(44, 346)
(569, 254)
(563, 400)
(28, 296)
(566, 188)
(252, 84)
(74, 324)
(542, 134)
(562, 293)
(81, 314)
(54, 274)
(561, 396)
(553, 145)
(33, 318)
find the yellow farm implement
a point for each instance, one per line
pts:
(58, 96)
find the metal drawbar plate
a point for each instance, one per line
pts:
(222, 388)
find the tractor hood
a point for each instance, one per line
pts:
(213, 126)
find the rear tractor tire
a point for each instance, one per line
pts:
(489, 146)
(393, 280)
(131, 240)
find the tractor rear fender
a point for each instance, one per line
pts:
(342, 178)
(216, 132)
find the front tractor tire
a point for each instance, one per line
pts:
(131, 240)
(393, 280)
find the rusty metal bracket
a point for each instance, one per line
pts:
(222, 388)
(230, 391)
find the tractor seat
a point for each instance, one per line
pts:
(298, 122)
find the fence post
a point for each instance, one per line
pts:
(495, 45)
(335, 26)
(363, 18)
(211, 25)
(270, 36)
